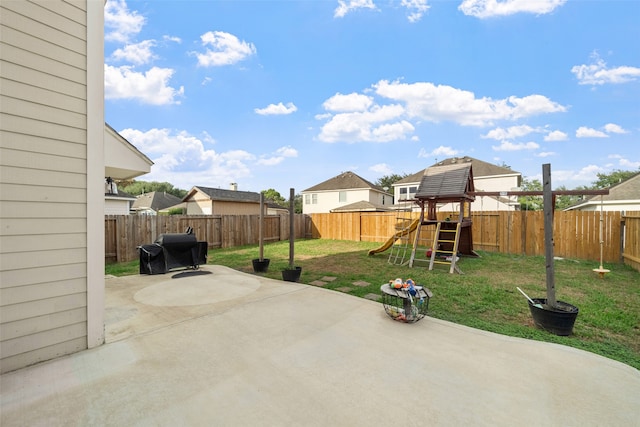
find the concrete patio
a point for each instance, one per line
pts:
(224, 348)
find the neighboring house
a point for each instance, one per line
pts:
(52, 138)
(117, 202)
(216, 201)
(624, 196)
(486, 177)
(343, 190)
(276, 209)
(154, 202)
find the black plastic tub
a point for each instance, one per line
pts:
(558, 321)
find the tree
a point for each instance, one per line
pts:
(606, 180)
(563, 202)
(297, 203)
(388, 180)
(530, 203)
(275, 197)
(140, 187)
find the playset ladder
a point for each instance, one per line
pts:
(451, 237)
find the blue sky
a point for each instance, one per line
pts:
(286, 94)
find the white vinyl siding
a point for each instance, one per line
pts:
(43, 180)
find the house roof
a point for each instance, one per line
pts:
(156, 200)
(361, 206)
(345, 181)
(226, 195)
(480, 169)
(447, 181)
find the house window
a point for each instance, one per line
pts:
(310, 199)
(314, 199)
(342, 196)
(403, 191)
(413, 191)
(307, 199)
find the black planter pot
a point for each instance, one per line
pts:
(260, 266)
(292, 275)
(558, 321)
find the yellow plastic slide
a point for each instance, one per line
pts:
(395, 237)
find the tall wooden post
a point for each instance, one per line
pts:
(548, 206)
(260, 228)
(291, 225)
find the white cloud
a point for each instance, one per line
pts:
(381, 168)
(206, 81)
(624, 162)
(512, 132)
(278, 157)
(277, 109)
(440, 151)
(490, 8)
(183, 160)
(137, 53)
(346, 6)
(585, 132)
(613, 128)
(174, 39)
(223, 49)
(546, 154)
(556, 135)
(152, 87)
(629, 164)
(585, 175)
(437, 103)
(510, 146)
(352, 102)
(597, 72)
(417, 8)
(121, 23)
(380, 124)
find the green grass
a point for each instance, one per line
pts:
(485, 297)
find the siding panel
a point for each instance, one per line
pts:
(12, 278)
(43, 339)
(31, 326)
(43, 184)
(40, 354)
(15, 312)
(36, 160)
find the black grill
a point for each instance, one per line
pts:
(170, 251)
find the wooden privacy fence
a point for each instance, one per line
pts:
(631, 252)
(576, 234)
(124, 233)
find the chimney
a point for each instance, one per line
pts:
(233, 186)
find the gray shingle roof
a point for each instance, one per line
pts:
(155, 200)
(446, 181)
(344, 181)
(230, 195)
(361, 206)
(480, 169)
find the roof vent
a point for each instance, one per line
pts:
(233, 186)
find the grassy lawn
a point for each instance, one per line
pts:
(485, 297)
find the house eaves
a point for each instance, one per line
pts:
(122, 160)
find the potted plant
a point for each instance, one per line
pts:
(291, 273)
(554, 316)
(261, 264)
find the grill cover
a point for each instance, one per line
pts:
(172, 250)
